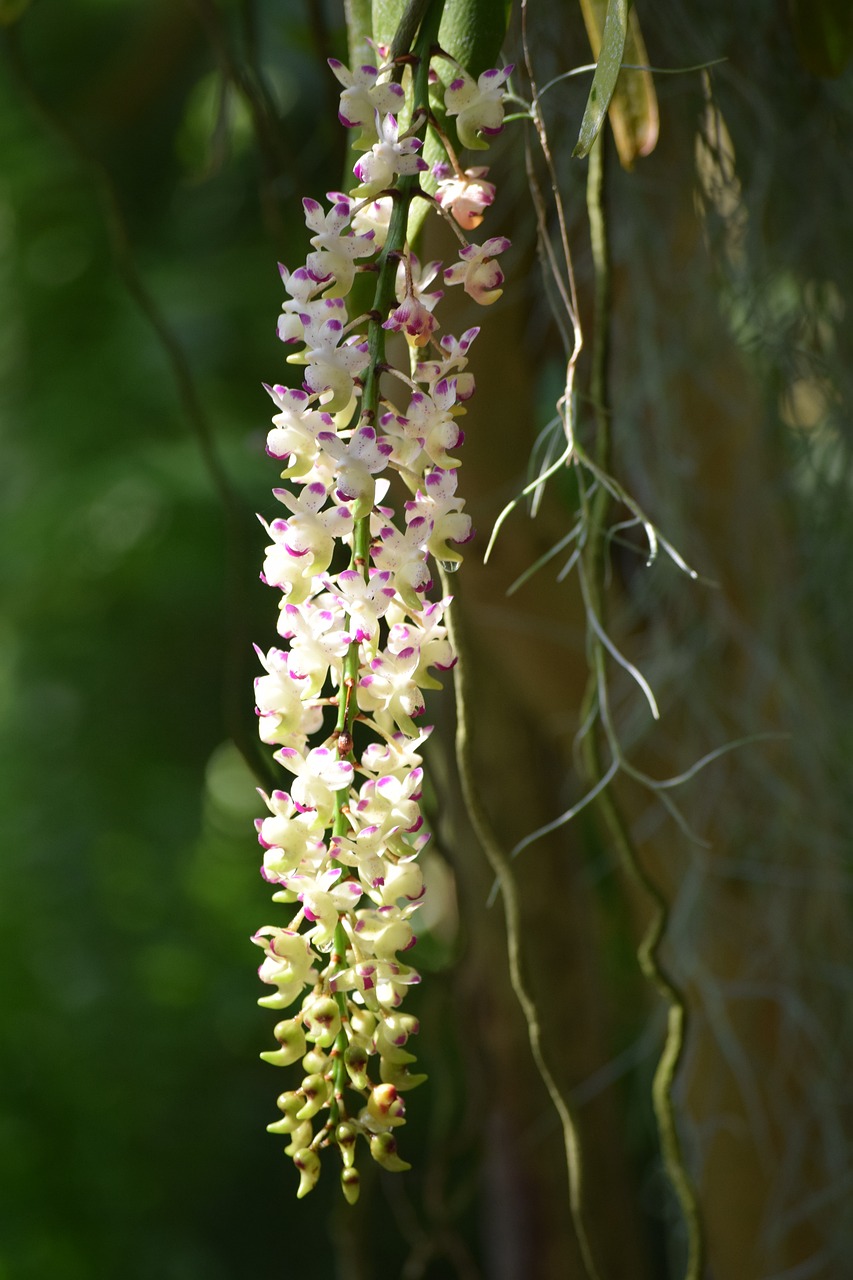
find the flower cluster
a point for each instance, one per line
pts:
(361, 626)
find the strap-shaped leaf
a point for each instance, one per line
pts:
(606, 74)
(634, 105)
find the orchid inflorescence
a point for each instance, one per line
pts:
(364, 635)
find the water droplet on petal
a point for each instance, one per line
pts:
(449, 566)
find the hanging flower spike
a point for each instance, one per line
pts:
(478, 105)
(361, 637)
(479, 275)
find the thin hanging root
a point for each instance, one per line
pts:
(502, 869)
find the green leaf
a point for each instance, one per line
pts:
(474, 32)
(358, 19)
(606, 75)
(471, 30)
(633, 107)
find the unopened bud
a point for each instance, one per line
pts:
(302, 1137)
(291, 1037)
(391, 1035)
(278, 1000)
(383, 1148)
(363, 1022)
(323, 1021)
(355, 1061)
(290, 1104)
(315, 1062)
(308, 1164)
(345, 1137)
(398, 1074)
(316, 1091)
(351, 1184)
(386, 1104)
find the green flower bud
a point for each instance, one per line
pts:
(385, 1104)
(290, 1104)
(302, 1136)
(278, 1057)
(355, 1061)
(363, 1023)
(316, 1090)
(351, 1184)
(285, 895)
(345, 1136)
(398, 1074)
(383, 1148)
(315, 1062)
(323, 1021)
(291, 1037)
(391, 1035)
(279, 1000)
(308, 1164)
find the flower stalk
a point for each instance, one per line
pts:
(365, 632)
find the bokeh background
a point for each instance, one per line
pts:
(153, 156)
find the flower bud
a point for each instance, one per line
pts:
(291, 1037)
(351, 1184)
(302, 1137)
(316, 1090)
(290, 1104)
(315, 1062)
(399, 1075)
(385, 1104)
(363, 1023)
(345, 1136)
(277, 1057)
(383, 1148)
(391, 1035)
(308, 1164)
(323, 1021)
(355, 1061)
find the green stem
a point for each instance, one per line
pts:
(594, 567)
(425, 14)
(383, 299)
